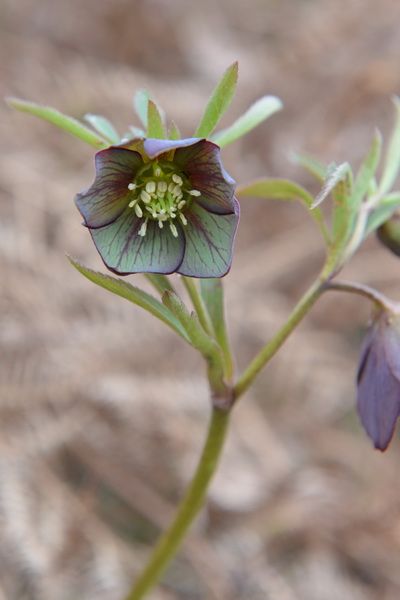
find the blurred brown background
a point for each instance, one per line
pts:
(102, 410)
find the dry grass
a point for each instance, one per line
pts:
(102, 411)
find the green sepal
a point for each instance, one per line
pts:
(140, 104)
(133, 294)
(155, 125)
(103, 126)
(219, 102)
(69, 124)
(258, 112)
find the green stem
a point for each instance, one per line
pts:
(363, 290)
(198, 304)
(270, 349)
(190, 506)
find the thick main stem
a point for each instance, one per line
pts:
(265, 355)
(190, 506)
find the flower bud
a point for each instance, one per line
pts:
(378, 379)
(389, 234)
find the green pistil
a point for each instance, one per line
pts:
(160, 194)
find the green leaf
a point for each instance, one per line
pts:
(198, 337)
(343, 210)
(283, 189)
(392, 157)
(213, 297)
(219, 102)
(160, 282)
(155, 127)
(135, 131)
(334, 175)
(140, 104)
(212, 292)
(279, 189)
(311, 164)
(174, 133)
(104, 127)
(388, 205)
(366, 172)
(256, 114)
(64, 122)
(134, 295)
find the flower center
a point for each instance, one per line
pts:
(160, 193)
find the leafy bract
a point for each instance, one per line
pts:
(219, 102)
(155, 125)
(256, 114)
(140, 104)
(283, 189)
(392, 157)
(312, 165)
(133, 294)
(104, 127)
(62, 121)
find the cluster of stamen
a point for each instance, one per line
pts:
(160, 194)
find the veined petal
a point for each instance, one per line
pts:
(201, 163)
(378, 396)
(209, 242)
(124, 251)
(108, 196)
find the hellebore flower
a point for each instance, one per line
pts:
(378, 379)
(162, 206)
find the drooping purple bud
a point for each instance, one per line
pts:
(378, 379)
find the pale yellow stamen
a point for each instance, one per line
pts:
(151, 187)
(138, 211)
(173, 230)
(145, 197)
(177, 179)
(143, 229)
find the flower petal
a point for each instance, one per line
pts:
(378, 397)
(108, 196)
(154, 147)
(209, 242)
(201, 163)
(124, 251)
(392, 346)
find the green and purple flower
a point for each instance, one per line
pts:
(162, 206)
(378, 379)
